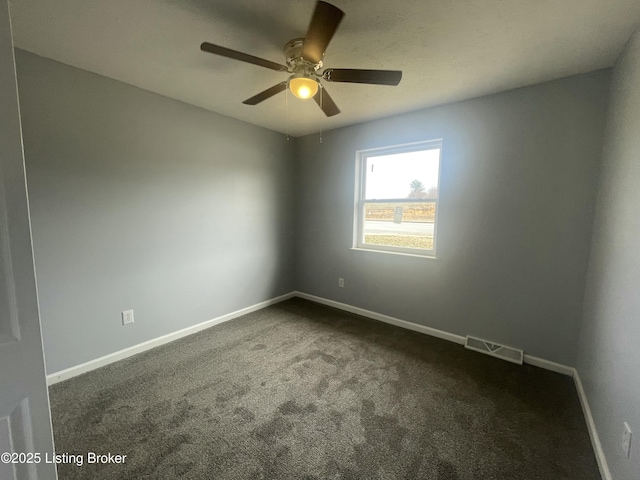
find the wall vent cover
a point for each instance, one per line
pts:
(494, 349)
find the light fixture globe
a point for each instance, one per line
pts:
(303, 86)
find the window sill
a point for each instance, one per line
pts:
(404, 254)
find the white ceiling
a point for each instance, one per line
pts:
(448, 49)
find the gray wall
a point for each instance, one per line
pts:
(519, 175)
(142, 202)
(609, 354)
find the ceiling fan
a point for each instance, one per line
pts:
(304, 61)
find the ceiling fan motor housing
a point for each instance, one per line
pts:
(304, 80)
(295, 62)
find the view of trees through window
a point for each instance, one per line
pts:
(400, 199)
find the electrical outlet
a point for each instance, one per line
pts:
(341, 282)
(127, 317)
(626, 440)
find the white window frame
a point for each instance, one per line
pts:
(361, 202)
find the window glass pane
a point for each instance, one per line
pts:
(408, 225)
(402, 175)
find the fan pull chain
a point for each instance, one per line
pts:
(286, 113)
(321, 96)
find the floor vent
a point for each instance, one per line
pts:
(495, 349)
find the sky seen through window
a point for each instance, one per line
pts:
(390, 176)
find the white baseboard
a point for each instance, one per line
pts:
(549, 365)
(144, 346)
(156, 342)
(452, 337)
(384, 318)
(591, 426)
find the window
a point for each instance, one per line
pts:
(397, 198)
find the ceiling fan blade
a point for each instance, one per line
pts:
(268, 93)
(354, 75)
(326, 103)
(243, 57)
(323, 25)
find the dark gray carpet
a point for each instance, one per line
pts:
(303, 391)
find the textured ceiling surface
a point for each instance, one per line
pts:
(449, 50)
